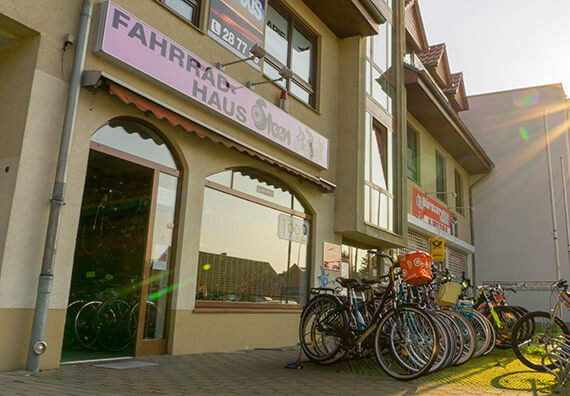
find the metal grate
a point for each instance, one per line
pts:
(416, 241)
(457, 263)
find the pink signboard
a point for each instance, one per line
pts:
(431, 212)
(133, 43)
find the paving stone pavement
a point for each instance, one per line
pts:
(256, 372)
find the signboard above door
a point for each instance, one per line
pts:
(130, 42)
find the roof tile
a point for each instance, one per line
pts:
(432, 55)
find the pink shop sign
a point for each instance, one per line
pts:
(131, 42)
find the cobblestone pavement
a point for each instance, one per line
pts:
(257, 372)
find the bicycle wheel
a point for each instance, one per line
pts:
(406, 343)
(508, 317)
(457, 338)
(468, 336)
(85, 325)
(113, 324)
(530, 346)
(320, 329)
(445, 344)
(492, 337)
(483, 333)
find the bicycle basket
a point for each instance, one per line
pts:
(416, 267)
(447, 294)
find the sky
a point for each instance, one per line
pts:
(502, 44)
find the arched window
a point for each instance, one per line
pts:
(254, 237)
(135, 138)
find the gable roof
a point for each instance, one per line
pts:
(415, 32)
(432, 55)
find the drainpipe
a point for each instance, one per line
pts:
(37, 344)
(472, 226)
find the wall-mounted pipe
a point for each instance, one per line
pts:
(37, 343)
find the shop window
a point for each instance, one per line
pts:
(290, 44)
(253, 243)
(440, 177)
(189, 10)
(412, 159)
(459, 193)
(380, 153)
(358, 263)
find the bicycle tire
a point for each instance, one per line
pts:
(113, 325)
(445, 344)
(412, 332)
(85, 324)
(492, 337)
(320, 329)
(521, 338)
(455, 336)
(508, 317)
(483, 333)
(468, 336)
(458, 337)
(69, 337)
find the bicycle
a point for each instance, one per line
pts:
(405, 338)
(535, 331)
(502, 317)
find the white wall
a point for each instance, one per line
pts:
(513, 226)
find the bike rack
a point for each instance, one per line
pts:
(559, 357)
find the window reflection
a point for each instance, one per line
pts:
(137, 139)
(358, 263)
(250, 252)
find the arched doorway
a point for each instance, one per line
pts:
(119, 300)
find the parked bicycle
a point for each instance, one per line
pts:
(535, 333)
(403, 337)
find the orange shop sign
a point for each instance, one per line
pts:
(431, 212)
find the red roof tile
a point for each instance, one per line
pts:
(432, 55)
(456, 79)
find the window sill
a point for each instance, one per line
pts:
(292, 95)
(414, 181)
(237, 307)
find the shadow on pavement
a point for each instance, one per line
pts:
(527, 380)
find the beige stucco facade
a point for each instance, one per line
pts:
(35, 77)
(34, 83)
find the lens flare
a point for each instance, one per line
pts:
(524, 133)
(528, 99)
(168, 289)
(206, 267)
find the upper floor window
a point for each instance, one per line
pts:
(459, 191)
(412, 140)
(380, 155)
(440, 177)
(380, 84)
(187, 9)
(290, 44)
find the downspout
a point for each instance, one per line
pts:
(473, 266)
(401, 115)
(37, 344)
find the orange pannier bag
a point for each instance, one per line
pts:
(416, 267)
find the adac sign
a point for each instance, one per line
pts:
(122, 37)
(437, 249)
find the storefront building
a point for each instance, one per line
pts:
(197, 202)
(200, 206)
